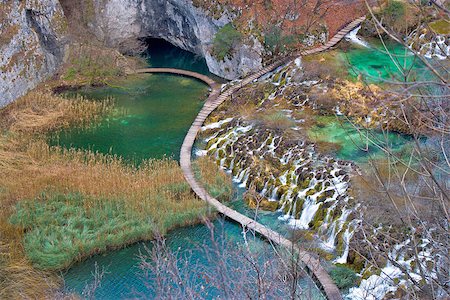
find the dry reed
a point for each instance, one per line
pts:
(155, 190)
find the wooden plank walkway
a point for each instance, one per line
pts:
(214, 100)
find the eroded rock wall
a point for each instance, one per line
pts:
(31, 45)
(120, 23)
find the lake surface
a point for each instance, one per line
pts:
(155, 112)
(380, 63)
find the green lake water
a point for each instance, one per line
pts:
(155, 112)
(357, 145)
(376, 65)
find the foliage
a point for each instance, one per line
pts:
(41, 111)
(153, 197)
(224, 41)
(343, 277)
(395, 10)
(440, 26)
(275, 41)
(93, 65)
(277, 120)
(76, 184)
(19, 279)
(61, 228)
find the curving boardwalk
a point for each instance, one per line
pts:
(214, 100)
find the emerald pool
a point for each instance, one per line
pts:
(356, 144)
(155, 112)
(380, 63)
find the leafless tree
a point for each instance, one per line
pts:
(406, 217)
(229, 271)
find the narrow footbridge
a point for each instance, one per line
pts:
(216, 97)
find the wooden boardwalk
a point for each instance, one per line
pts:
(214, 100)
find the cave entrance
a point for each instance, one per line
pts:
(160, 53)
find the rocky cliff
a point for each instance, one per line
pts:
(31, 44)
(122, 23)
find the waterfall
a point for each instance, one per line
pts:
(309, 210)
(343, 259)
(216, 124)
(354, 38)
(437, 48)
(245, 179)
(264, 190)
(273, 196)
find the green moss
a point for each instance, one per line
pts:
(340, 239)
(322, 253)
(282, 190)
(369, 271)
(318, 218)
(299, 207)
(311, 192)
(440, 26)
(304, 184)
(343, 277)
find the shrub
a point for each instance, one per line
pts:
(62, 228)
(395, 10)
(343, 277)
(224, 41)
(276, 42)
(277, 120)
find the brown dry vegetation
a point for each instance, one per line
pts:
(41, 112)
(263, 13)
(216, 181)
(29, 167)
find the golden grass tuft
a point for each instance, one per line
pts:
(40, 112)
(18, 278)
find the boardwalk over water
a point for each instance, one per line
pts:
(214, 100)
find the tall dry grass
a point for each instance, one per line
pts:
(41, 112)
(155, 190)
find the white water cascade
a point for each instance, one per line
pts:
(354, 38)
(347, 236)
(439, 48)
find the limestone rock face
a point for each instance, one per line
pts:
(31, 45)
(120, 23)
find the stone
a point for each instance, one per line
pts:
(34, 47)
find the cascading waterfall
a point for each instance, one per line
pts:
(377, 286)
(307, 187)
(310, 189)
(439, 48)
(346, 239)
(353, 37)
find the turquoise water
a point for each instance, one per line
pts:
(376, 65)
(158, 110)
(124, 279)
(162, 54)
(357, 145)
